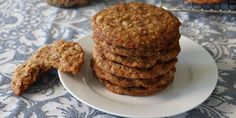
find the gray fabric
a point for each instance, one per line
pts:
(25, 25)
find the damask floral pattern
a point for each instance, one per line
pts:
(217, 34)
(29, 24)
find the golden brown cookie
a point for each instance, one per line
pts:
(68, 3)
(98, 38)
(136, 25)
(26, 74)
(134, 73)
(126, 82)
(135, 51)
(65, 56)
(137, 91)
(140, 61)
(204, 1)
(132, 61)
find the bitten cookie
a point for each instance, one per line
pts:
(62, 55)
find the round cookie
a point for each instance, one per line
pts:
(140, 61)
(204, 1)
(134, 73)
(136, 25)
(126, 82)
(136, 91)
(134, 61)
(135, 51)
(68, 3)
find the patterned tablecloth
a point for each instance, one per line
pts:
(25, 25)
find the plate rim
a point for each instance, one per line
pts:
(60, 74)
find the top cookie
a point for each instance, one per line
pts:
(135, 25)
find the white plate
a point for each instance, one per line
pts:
(195, 79)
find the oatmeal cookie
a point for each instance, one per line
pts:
(137, 91)
(204, 1)
(169, 41)
(65, 56)
(136, 25)
(68, 3)
(102, 46)
(127, 82)
(140, 61)
(134, 73)
(26, 74)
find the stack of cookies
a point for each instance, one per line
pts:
(136, 48)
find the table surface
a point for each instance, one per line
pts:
(26, 25)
